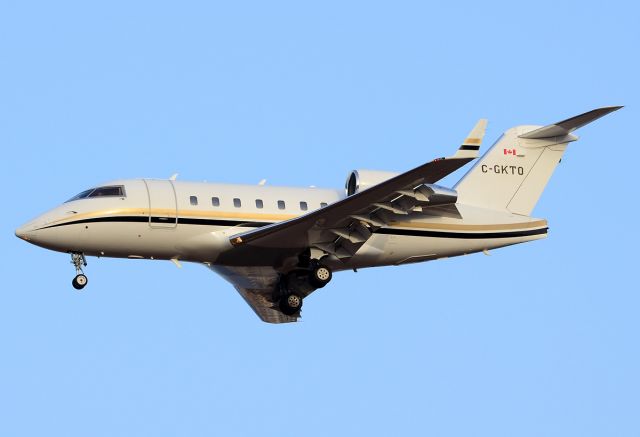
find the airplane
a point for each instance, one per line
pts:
(277, 245)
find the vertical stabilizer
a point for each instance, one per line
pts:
(512, 174)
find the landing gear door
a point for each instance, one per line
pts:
(163, 208)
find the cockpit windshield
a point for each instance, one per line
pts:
(81, 195)
(108, 191)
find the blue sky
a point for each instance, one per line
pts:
(537, 339)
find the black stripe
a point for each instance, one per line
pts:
(212, 222)
(468, 147)
(165, 220)
(383, 231)
(132, 219)
(465, 235)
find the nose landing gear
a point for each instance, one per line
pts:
(78, 260)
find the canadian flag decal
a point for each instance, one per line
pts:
(510, 152)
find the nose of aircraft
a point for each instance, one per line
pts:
(29, 230)
(40, 232)
(26, 232)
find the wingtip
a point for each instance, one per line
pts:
(478, 131)
(604, 110)
(471, 145)
(609, 109)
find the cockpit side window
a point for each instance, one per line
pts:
(113, 191)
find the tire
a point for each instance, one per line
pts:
(291, 304)
(320, 275)
(79, 282)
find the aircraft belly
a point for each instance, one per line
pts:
(210, 244)
(138, 240)
(400, 249)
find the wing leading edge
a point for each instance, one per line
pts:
(342, 227)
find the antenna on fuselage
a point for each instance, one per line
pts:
(262, 182)
(173, 177)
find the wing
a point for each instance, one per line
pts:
(340, 229)
(256, 285)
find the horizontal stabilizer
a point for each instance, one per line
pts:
(567, 126)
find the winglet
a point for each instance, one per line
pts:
(470, 147)
(565, 127)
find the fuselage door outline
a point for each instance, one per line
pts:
(163, 205)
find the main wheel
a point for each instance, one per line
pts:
(320, 275)
(290, 304)
(79, 282)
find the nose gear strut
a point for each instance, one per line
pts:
(78, 260)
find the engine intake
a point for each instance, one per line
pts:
(359, 180)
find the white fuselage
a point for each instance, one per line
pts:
(164, 219)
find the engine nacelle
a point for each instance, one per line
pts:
(359, 180)
(436, 195)
(425, 195)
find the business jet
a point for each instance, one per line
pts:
(276, 245)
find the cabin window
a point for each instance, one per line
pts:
(303, 206)
(193, 200)
(259, 204)
(215, 201)
(237, 203)
(323, 204)
(281, 204)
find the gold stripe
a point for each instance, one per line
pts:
(281, 217)
(171, 212)
(105, 212)
(472, 141)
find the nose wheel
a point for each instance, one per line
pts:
(80, 281)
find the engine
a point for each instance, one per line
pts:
(359, 180)
(423, 196)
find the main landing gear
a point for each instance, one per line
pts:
(78, 260)
(299, 283)
(320, 275)
(290, 303)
